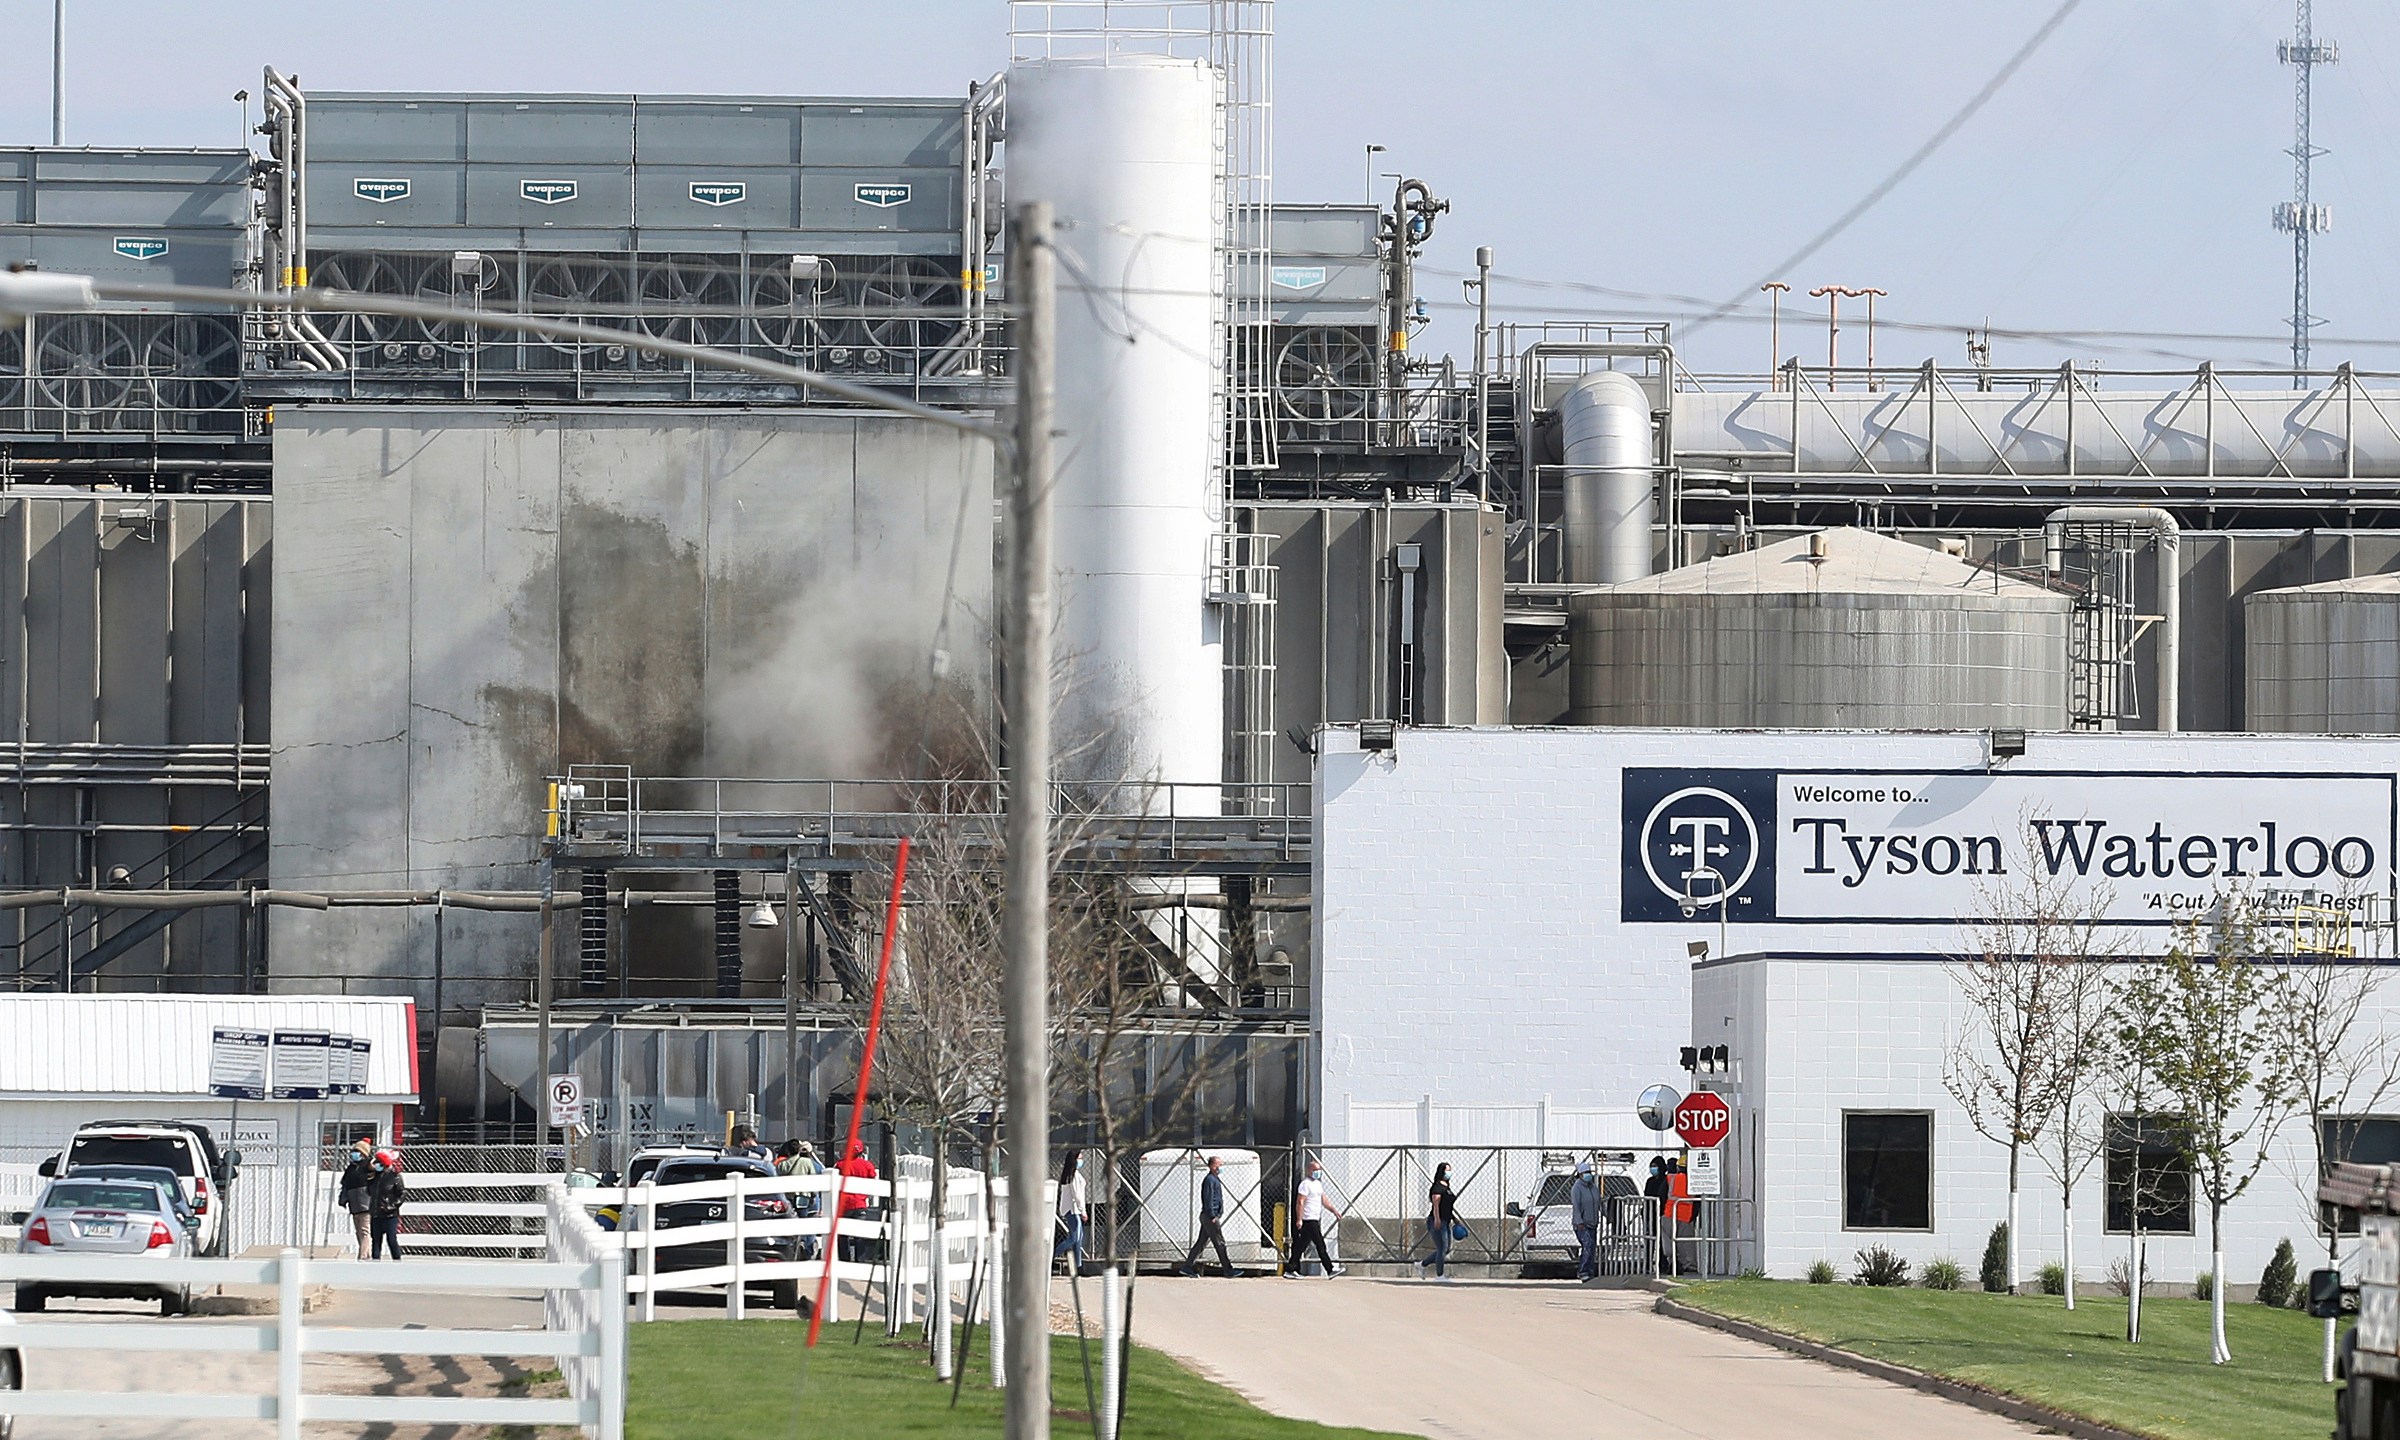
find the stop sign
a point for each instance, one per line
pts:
(1702, 1120)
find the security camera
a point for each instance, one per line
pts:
(1689, 909)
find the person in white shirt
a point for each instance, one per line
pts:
(1073, 1209)
(1314, 1204)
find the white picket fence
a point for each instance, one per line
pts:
(584, 1302)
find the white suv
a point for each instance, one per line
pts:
(185, 1147)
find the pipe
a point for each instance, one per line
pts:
(1611, 509)
(2169, 536)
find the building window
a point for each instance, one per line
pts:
(2149, 1143)
(1887, 1170)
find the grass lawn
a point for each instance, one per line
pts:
(704, 1379)
(2032, 1346)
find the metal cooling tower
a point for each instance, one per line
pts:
(1841, 628)
(2323, 659)
(1125, 150)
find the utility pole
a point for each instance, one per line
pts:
(58, 72)
(2301, 215)
(1025, 936)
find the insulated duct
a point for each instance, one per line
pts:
(1604, 434)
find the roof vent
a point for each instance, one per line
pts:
(1818, 550)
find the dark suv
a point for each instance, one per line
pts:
(756, 1250)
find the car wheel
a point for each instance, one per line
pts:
(787, 1294)
(30, 1300)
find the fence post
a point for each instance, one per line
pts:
(289, 1299)
(995, 1329)
(649, 1300)
(1112, 1347)
(733, 1213)
(612, 1344)
(899, 1295)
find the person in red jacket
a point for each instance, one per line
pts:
(857, 1249)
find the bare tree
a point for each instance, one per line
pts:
(2135, 1029)
(2004, 1066)
(2219, 1058)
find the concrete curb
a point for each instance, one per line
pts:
(1958, 1390)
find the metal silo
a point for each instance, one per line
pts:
(1125, 149)
(2324, 659)
(1842, 628)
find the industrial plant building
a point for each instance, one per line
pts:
(417, 647)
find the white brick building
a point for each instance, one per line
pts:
(1501, 927)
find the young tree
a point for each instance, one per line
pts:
(2134, 1028)
(2219, 1060)
(2078, 1129)
(2031, 940)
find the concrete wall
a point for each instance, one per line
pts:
(1486, 935)
(470, 600)
(1814, 1038)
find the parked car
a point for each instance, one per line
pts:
(158, 1175)
(1550, 1245)
(77, 1215)
(185, 1147)
(12, 1375)
(756, 1250)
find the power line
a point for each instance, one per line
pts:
(1907, 167)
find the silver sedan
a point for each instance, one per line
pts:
(78, 1216)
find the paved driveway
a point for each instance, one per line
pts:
(1519, 1361)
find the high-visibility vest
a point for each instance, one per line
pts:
(1683, 1208)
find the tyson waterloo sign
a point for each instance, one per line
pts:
(1804, 846)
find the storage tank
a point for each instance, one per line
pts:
(2323, 659)
(1124, 148)
(1840, 628)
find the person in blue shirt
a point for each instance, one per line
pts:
(1212, 1223)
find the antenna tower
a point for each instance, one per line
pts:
(2301, 215)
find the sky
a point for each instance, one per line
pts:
(1622, 160)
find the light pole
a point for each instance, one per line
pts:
(1775, 292)
(1870, 292)
(58, 72)
(1832, 296)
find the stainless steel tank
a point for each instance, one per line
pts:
(2323, 659)
(1840, 628)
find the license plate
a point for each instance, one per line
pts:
(103, 1230)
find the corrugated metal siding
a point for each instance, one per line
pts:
(158, 1045)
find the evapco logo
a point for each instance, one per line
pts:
(720, 192)
(141, 247)
(381, 192)
(882, 197)
(1298, 277)
(547, 192)
(1698, 843)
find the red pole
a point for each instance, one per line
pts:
(858, 1098)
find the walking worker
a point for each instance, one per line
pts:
(1212, 1222)
(1074, 1210)
(1662, 1190)
(1584, 1199)
(856, 1249)
(1441, 1221)
(356, 1177)
(385, 1195)
(1311, 1206)
(744, 1141)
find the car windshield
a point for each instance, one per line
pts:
(101, 1195)
(171, 1152)
(688, 1172)
(1554, 1189)
(644, 1167)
